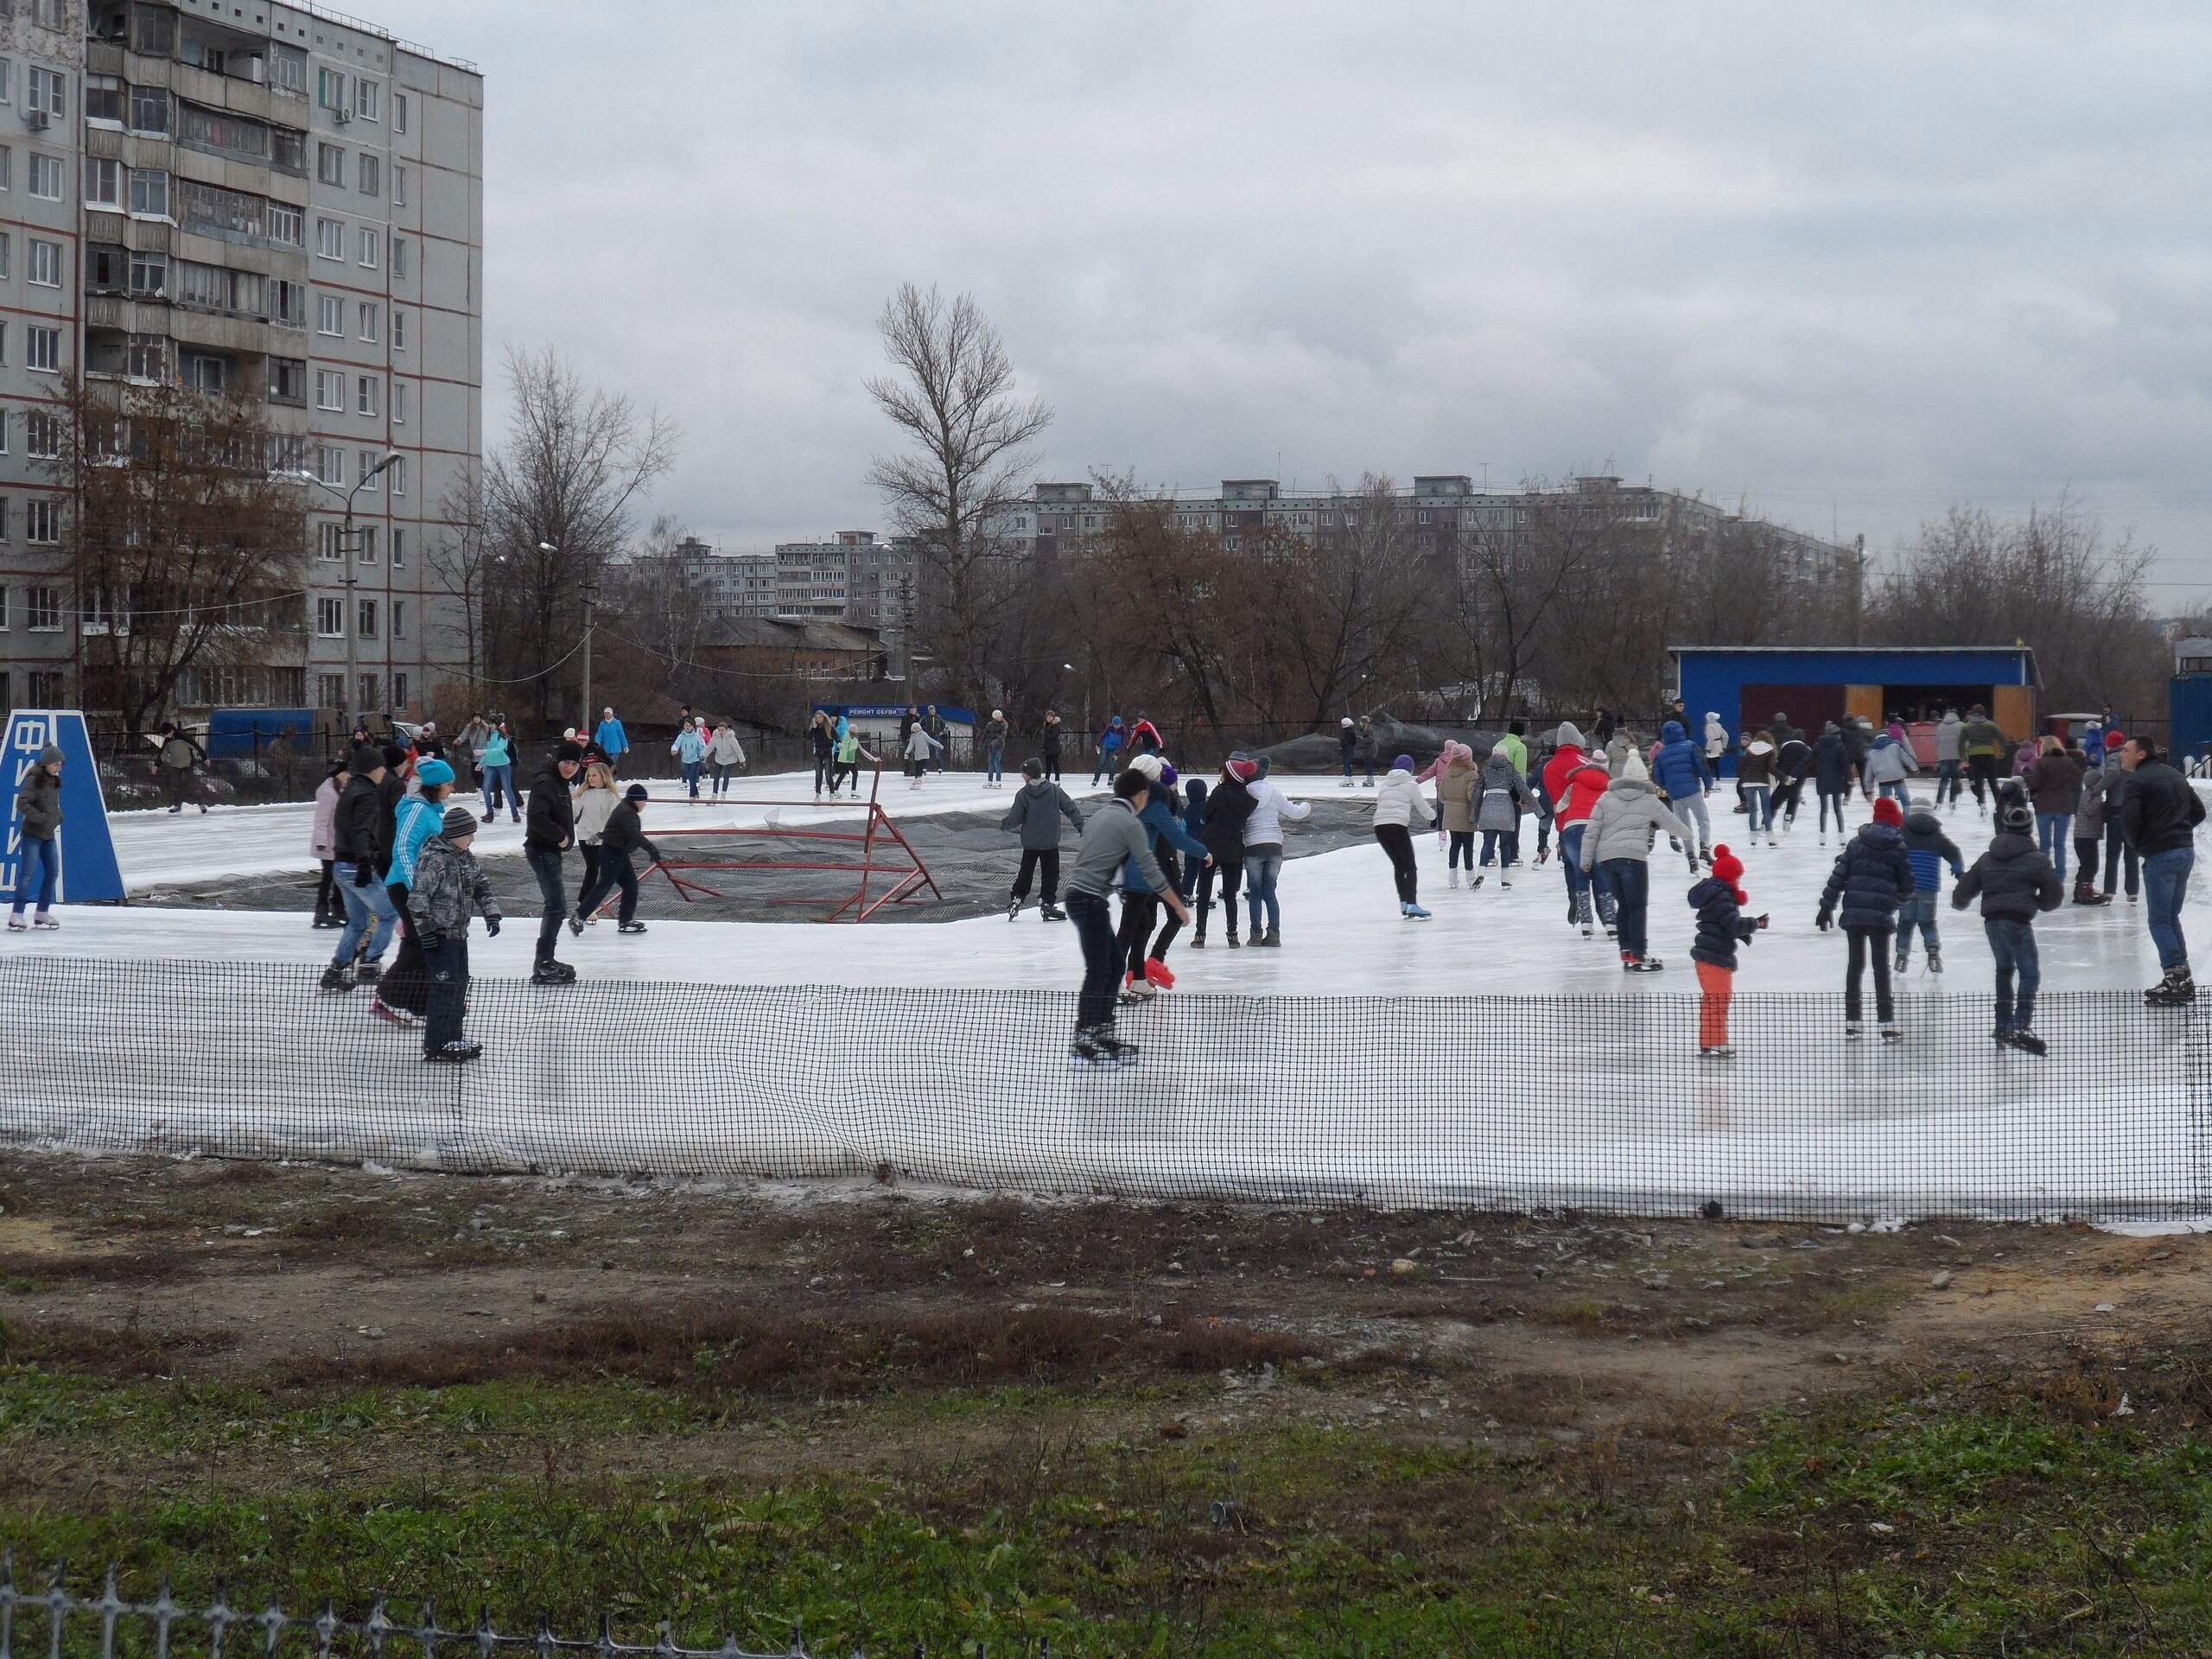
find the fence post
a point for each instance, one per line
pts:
(164, 1611)
(8, 1602)
(219, 1620)
(109, 1608)
(272, 1626)
(57, 1604)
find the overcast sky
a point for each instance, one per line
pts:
(1852, 261)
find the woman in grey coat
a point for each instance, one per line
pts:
(1616, 843)
(1501, 797)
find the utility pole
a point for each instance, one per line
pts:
(347, 551)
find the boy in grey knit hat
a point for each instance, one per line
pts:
(448, 881)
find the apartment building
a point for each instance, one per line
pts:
(738, 586)
(851, 578)
(264, 199)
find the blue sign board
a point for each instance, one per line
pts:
(951, 716)
(90, 875)
(242, 734)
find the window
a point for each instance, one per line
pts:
(210, 210)
(45, 176)
(330, 614)
(103, 98)
(398, 631)
(398, 257)
(42, 349)
(398, 318)
(366, 94)
(329, 238)
(149, 273)
(149, 192)
(212, 288)
(47, 689)
(49, 14)
(287, 455)
(330, 164)
(3, 606)
(45, 264)
(372, 320)
(368, 691)
(398, 687)
(330, 314)
(287, 70)
(365, 400)
(149, 357)
(330, 690)
(288, 227)
(3, 535)
(372, 176)
(399, 194)
(42, 435)
(330, 390)
(330, 89)
(398, 547)
(106, 264)
(288, 151)
(399, 111)
(330, 459)
(288, 381)
(45, 89)
(330, 543)
(366, 537)
(289, 303)
(371, 248)
(368, 459)
(42, 525)
(399, 403)
(3, 358)
(42, 614)
(368, 619)
(203, 372)
(398, 473)
(6, 168)
(149, 109)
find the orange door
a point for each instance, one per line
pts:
(2013, 708)
(1866, 701)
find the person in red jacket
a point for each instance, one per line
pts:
(1574, 781)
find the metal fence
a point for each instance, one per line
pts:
(1594, 1102)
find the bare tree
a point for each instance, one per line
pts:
(185, 551)
(1345, 609)
(558, 497)
(459, 562)
(951, 396)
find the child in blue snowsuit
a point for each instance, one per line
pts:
(1929, 849)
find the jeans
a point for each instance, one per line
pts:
(1397, 840)
(2051, 838)
(445, 964)
(691, 771)
(1094, 931)
(1895, 790)
(1919, 911)
(545, 864)
(615, 870)
(499, 786)
(1045, 861)
(1347, 766)
(1582, 883)
(992, 753)
(1691, 810)
(1759, 797)
(1105, 767)
(1630, 882)
(1868, 942)
(1506, 843)
(364, 903)
(824, 771)
(36, 873)
(1261, 869)
(1831, 799)
(1947, 781)
(721, 776)
(2166, 887)
(2012, 942)
(2116, 848)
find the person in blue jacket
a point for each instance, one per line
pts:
(1110, 750)
(691, 751)
(613, 742)
(1144, 968)
(1678, 769)
(1872, 878)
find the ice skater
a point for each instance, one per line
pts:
(725, 754)
(181, 756)
(595, 800)
(2013, 881)
(921, 745)
(38, 822)
(1718, 900)
(1144, 968)
(994, 734)
(1678, 769)
(1831, 777)
(402, 994)
(448, 882)
(1035, 813)
(1617, 839)
(1455, 812)
(1399, 805)
(1577, 783)
(1221, 827)
(624, 833)
(1983, 742)
(2160, 816)
(322, 842)
(690, 752)
(1113, 841)
(495, 771)
(2054, 785)
(1755, 780)
(1872, 876)
(1263, 851)
(822, 742)
(548, 834)
(1929, 849)
(370, 917)
(1502, 797)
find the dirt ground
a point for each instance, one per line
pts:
(1463, 1329)
(972, 860)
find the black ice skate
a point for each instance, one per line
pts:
(337, 978)
(456, 1053)
(2175, 990)
(1051, 912)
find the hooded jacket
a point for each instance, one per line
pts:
(1721, 923)
(1872, 876)
(357, 821)
(1161, 824)
(724, 749)
(1270, 806)
(1950, 738)
(416, 821)
(690, 747)
(1888, 762)
(1365, 743)
(1221, 825)
(2090, 814)
(1929, 849)
(448, 881)
(1455, 791)
(2054, 783)
(1793, 760)
(1716, 738)
(1036, 811)
(1623, 822)
(1574, 781)
(2160, 810)
(1113, 839)
(610, 736)
(38, 802)
(1857, 739)
(1831, 763)
(1504, 794)
(2013, 879)
(590, 810)
(625, 832)
(1516, 751)
(1398, 799)
(1679, 767)
(1982, 736)
(1755, 765)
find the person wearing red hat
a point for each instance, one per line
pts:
(1719, 899)
(1872, 876)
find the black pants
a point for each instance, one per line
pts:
(407, 986)
(1398, 842)
(1045, 861)
(446, 977)
(2115, 847)
(327, 904)
(615, 870)
(1139, 911)
(825, 772)
(1157, 950)
(591, 872)
(1785, 801)
(1463, 850)
(1053, 766)
(2085, 862)
(1981, 771)
(1868, 942)
(545, 864)
(1831, 800)
(1231, 872)
(1102, 960)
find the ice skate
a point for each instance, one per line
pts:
(384, 1011)
(630, 927)
(368, 971)
(1935, 960)
(328, 921)
(1890, 1031)
(1612, 931)
(1013, 911)
(1197, 941)
(456, 1053)
(1159, 974)
(1904, 962)
(2026, 1041)
(1052, 913)
(1716, 1051)
(550, 972)
(1413, 913)
(1588, 931)
(1504, 880)
(1635, 964)
(334, 977)
(1272, 940)
(1236, 944)
(2175, 990)
(1474, 881)
(1854, 1029)
(17, 925)
(1452, 876)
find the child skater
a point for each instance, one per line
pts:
(1929, 849)
(2014, 881)
(1721, 926)
(448, 881)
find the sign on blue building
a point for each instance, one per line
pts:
(90, 875)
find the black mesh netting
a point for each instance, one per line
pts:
(1514, 1101)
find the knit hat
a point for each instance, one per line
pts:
(1032, 770)
(434, 771)
(1147, 764)
(1404, 763)
(458, 821)
(1346, 720)
(570, 751)
(50, 755)
(394, 755)
(635, 792)
(2014, 815)
(2115, 739)
(1886, 811)
(1632, 766)
(1729, 868)
(366, 758)
(1168, 775)
(1242, 769)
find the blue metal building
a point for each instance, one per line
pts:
(1748, 685)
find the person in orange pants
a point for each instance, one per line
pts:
(1721, 926)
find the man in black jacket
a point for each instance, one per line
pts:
(363, 846)
(2158, 818)
(548, 831)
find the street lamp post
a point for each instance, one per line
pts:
(345, 551)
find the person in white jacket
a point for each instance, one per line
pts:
(919, 746)
(1716, 737)
(1399, 805)
(1263, 845)
(724, 754)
